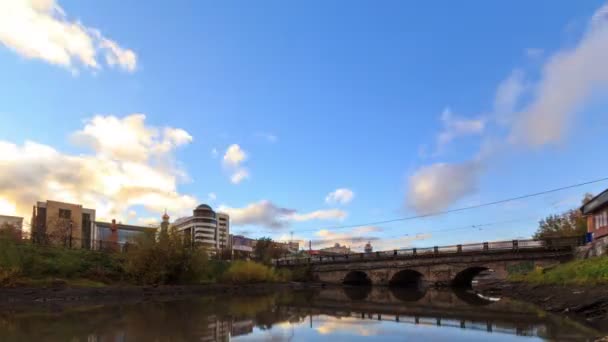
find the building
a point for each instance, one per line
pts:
(596, 211)
(368, 247)
(336, 249)
(62, 223)
(223, 236)
(108, 235)
(205, 228)
(13, 221)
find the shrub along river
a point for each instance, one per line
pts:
(332, 314)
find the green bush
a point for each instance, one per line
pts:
(168, 261)
(592, 271)
(244, 272)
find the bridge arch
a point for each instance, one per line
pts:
(407, 279)
(358, 278)
(464, 278)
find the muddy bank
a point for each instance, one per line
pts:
(587, 303)
(61, 295)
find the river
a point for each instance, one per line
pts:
(332, 314)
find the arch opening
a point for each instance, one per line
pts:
(407, 279)
(469, 277)
(357, 278)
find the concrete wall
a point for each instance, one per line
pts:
(596, 248)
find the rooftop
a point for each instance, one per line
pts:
(596, 203)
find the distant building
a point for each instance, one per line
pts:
(205, 228)
(60, 222)
(336, 249)
(13, 221)
(596, 211)
(368, 247)
(242, 243)
(116, 235)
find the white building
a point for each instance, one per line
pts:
(205, 228)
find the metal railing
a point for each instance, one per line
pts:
(436, 251)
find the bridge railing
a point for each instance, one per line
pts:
(483, 247)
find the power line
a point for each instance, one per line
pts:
(479, 226)
(477, 206)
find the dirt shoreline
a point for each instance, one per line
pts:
(584, 303)
(61, 295)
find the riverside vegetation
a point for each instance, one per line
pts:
(592, 271)
(146, 262)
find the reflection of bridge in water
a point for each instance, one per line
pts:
(440, 308)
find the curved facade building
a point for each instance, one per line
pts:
(205, 228)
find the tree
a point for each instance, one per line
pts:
(569, 223)
(265, 250)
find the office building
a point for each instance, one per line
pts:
(62, 223)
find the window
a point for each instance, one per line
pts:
(601, 220)
(65, 214)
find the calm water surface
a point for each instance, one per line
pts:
(335, 314)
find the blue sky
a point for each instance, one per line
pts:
(411, 108)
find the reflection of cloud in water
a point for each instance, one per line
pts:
(350, 325)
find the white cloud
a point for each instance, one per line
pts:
(234, 155)
(508, 95)
(435, 187)
(569, 79)
(211, 197)
(341, 196)
(112, 179)
(239, 175)
(267, 214)
(454, 127)
(233, 159)
(41, 29)
(330, 214)
(356, 239)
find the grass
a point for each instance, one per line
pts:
(245, 272)
(592, 271)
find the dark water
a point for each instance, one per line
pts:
(336, 314)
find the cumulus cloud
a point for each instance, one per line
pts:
(267, 214)
(233, 160)
(40, 29)
(569, 78)
(435, 187)
(129, 165)
(454, 127)
(340, 196)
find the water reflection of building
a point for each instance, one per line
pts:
(216, 330)
(243, 327)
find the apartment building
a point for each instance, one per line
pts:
(205, 228)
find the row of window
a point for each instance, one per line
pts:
(601, 220)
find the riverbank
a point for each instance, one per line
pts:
(64, 295)
(587, 303)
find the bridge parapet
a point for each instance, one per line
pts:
(553, 244)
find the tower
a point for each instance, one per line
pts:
(164, 225)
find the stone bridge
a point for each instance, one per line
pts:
(438, 266)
